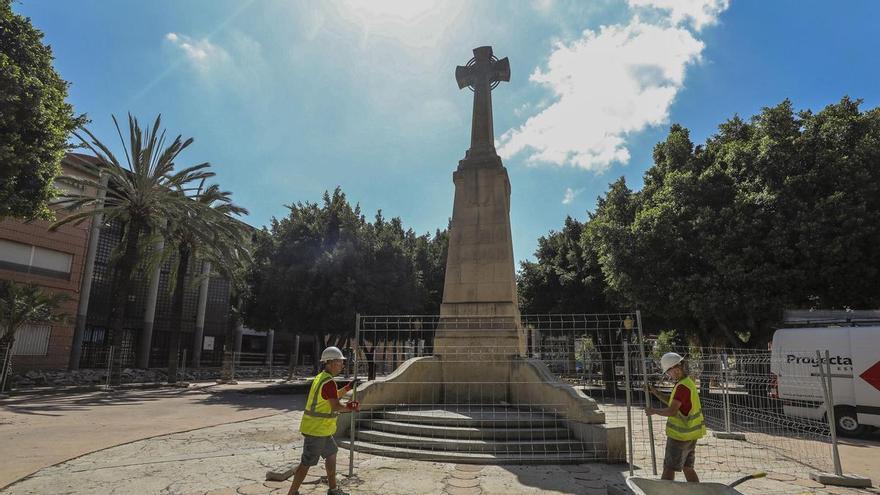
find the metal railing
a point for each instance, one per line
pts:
(755, 420)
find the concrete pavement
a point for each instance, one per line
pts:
(41, 429)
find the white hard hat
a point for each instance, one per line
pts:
(669, 360)
(330, 354)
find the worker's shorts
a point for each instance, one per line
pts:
(315, 447)
(679, 454)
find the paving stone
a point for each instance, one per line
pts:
(462, 483)
(576, 468)
(255, 489)
(781, 476)
(473, 468)
(596, 484)
(464, 475)
(276, 484)
(223, 491)
(807, 483)
(454, 490)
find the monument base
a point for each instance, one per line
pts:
(518, 383)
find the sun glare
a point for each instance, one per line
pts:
(414, 23)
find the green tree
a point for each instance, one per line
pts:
(777, 212)
(35, 119)
(565, 277)
(322, 264)
(207, 233)
(143, 194)
(26, 303)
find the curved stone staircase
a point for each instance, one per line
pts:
(469, 434)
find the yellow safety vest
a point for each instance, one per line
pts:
(318, 419)
(692, 426)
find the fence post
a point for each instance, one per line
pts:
(628, 385)
(838, 478)
(183, 365)
(109, 365)
(271, 356)
(645, 386)
(234, 357)
(353, 425)
(829, 408)
(725, 398)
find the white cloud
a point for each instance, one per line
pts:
(201, 54)
(570, 194)
(606, 85)
(698, 13)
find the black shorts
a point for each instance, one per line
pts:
(315, 447)
(679, 454)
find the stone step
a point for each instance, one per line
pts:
(477, 417)
(547, 446)
(471, 457)
(465, 432)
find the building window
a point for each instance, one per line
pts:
(32, 340)
(36, 260)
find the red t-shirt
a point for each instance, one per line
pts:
(683, 395)
(328, 391)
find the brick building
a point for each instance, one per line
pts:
(29, 253)
(56, 261)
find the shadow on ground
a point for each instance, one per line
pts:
(50, 403)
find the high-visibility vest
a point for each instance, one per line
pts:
(318, 419)
(692, 426)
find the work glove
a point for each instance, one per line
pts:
(353, 405)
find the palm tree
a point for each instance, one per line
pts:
(21, 304)
(210, 234)
(142, 195)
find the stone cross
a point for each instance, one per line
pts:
(482, 73)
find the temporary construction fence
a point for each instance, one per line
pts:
(761, 415)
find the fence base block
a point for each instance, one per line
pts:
(279, 475)
(848, 480)
(729, 435)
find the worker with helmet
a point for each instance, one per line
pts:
(684, 424)
(319, 421)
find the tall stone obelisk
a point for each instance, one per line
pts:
(479, 312)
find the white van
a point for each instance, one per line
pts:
(855, 371)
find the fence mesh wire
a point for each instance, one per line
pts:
(461, 401)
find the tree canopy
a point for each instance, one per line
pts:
(323, 263)
(781, 211)
(35, 119)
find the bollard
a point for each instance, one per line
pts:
(628, 384)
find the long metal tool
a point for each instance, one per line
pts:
(645, 387)
(628, 385)
(357, 329)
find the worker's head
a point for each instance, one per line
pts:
(673, 365)
(333, 360)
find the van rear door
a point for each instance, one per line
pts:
(865, 344)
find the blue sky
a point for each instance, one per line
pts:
(288, 99)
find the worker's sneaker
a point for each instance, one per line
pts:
(336, 491)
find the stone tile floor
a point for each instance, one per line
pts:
(233, 459)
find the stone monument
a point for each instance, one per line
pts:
(479, 362)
